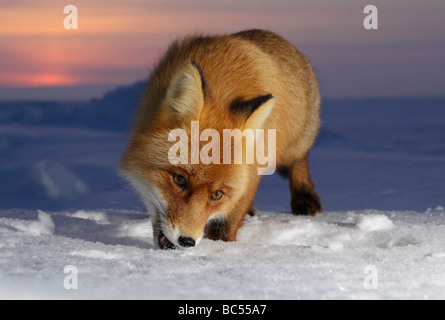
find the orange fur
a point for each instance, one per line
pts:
(201, 79)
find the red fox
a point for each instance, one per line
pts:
(252, 79)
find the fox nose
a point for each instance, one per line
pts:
(186, 242)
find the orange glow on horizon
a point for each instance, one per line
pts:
(50, 80)
(38, 80)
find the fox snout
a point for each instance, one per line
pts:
(184, 242)
(172, 238)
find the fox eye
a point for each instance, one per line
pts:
(217, 195)
(179, 180)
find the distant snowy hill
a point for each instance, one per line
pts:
(114, 111)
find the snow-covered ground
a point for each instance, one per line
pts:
(379, 166)
(339, 255)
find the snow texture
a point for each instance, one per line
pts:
(43, 226)
(278, 256)
(373, 222)
(378, 166)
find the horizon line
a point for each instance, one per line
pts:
(90, 92)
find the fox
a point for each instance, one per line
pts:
(250, 79)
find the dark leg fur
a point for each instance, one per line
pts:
(218, 230)
(305, 201)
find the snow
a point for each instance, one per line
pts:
(98, 217)
(43, 226)
(278, 256)
(378, 166)
(373, 222)
(58, 181)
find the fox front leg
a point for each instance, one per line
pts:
(305, 200)
(226, 228)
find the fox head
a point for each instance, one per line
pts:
(184, 196)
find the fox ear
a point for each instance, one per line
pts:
(255, 111)
(185, 93)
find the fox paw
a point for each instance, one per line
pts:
(306, 203)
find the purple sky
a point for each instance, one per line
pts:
(118, 41)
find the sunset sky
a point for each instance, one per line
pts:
(119, 41)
